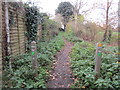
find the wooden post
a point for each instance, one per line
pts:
(34, 56)
(98, 58)
(0, 44)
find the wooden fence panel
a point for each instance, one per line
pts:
(17, 29)
(21, 29)
(17, 32)
(14, 37)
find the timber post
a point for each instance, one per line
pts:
(0, 44)
(34, 56)
(98, 59)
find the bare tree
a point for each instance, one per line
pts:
(112, 24)
(78, 5)
(107, 17)
(78, 11)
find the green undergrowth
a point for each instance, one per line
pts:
(21, 75)
(71, 37)
(83, 64)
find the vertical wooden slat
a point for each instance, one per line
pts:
(21, 28)
(4, 35)
(0, 44)
(17, 37)
(18, 30)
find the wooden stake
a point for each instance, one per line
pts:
(34, 56)
(98, 59)
(0, 44)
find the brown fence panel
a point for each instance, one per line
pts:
(17, 35)
(17, 29)
(14, 36)
(21, 31)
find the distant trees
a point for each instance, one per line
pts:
(66, 10)
(77, 7)
(79, 14)
(49, 27)
(110, 17)
(91, 30)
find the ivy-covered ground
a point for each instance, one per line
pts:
(82, 58)
(83, 63)
(21, 74)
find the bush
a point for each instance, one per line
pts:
(71, 37)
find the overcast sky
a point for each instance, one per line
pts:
(50, 6)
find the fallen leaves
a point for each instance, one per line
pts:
(52, 77)
(67, 63)
(83, 86)
(61, 75)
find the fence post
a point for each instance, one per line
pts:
(98, 58)
(34, 56)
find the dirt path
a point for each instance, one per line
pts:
(61, 76)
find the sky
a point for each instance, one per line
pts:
(50, 6)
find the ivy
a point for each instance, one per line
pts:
(22, 75)
(32, 14)
(83, 63)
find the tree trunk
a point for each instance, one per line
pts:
(106, 29)
(105, 35)
(76, 24)
(109, 35)
(107, 12)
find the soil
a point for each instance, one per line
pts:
(61, 75)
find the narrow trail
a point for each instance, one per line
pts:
(61, 75)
